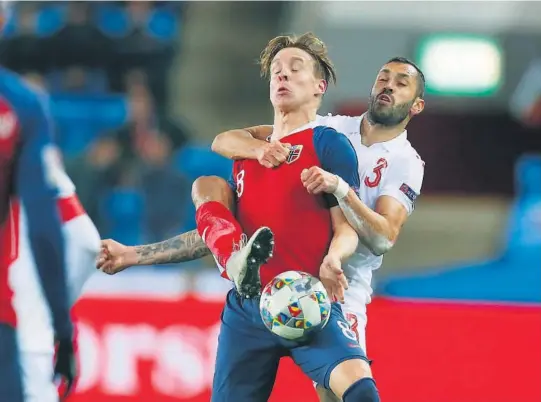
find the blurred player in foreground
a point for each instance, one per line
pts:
(390, 170)
(299, 70)
(42, 227)
(28, 209)
(35, 332)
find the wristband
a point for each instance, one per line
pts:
(342, 189)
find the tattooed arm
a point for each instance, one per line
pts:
(115, 257)
(185, 247)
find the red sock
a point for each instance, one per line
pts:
(220, 228)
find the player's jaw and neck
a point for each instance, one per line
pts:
(288, 121)
(372, 133)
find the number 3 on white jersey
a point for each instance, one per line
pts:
(240, 183)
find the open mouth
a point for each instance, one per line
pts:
(385, 99)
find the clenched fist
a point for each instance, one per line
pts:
(115, 257)
(273, 154)
(317, 180)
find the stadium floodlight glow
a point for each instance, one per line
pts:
(462, 65)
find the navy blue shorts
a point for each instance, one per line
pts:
(248, 353)
(11, 388)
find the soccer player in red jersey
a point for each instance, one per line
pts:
(310, 233)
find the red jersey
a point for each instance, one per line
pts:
(276, 198)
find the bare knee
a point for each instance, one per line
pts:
(212, 188)
(347, 373)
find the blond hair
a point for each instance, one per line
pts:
(308, 42)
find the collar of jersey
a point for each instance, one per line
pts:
(308, 125)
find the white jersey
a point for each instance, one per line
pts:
(392, 168)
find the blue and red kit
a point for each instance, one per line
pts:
(276, 198)
(248, 353)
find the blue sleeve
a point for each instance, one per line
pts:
(232, 182)
(337, 156)
(36, 190)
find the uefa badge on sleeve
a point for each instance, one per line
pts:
(409, 192)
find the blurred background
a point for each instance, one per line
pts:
(139, 90)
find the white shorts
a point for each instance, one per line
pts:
(34, 325)
(355, 315)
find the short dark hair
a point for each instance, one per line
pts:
(308, 42)
(421, 76)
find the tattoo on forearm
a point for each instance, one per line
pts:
(185, 247)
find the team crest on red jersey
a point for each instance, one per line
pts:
(294, 153)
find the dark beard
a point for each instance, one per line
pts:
(387, 116)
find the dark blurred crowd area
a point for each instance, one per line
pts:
(105, 65)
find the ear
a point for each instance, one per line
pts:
(322, 87)
(417, 107)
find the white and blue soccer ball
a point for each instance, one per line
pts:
(294, 304)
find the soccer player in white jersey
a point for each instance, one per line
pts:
(391, 175)
(35, 332)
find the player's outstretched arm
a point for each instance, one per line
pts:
(345, 239)
(115, 257)
(337, 156)
(250, 143)
(343, 245)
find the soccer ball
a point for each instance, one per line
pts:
(294, 305)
